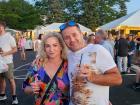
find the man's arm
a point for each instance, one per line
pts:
(111, 77)
(14, 50)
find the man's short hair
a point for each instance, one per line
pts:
(102, 33)
(3, 23)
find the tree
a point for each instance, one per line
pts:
(90, 16)
(99, 12)
(122, 7)
(19, 14)
(91, 13)
(52, 9)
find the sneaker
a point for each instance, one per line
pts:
(15, 101)
(128, 70)
(136, 86)
(123, 73)
(3, 97)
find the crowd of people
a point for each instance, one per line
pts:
(123, 49)
(69, 70)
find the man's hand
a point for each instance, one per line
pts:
(3, 54)
(86, 72)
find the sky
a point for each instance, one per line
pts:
(133, 5)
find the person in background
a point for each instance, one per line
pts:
(53, 55)
(8, 45)
(91, 38)
(136, 85)
(137, 82)
(38, 44)
(131, 51)
(21, 44)
(101, 38)
(121, 48)
(116, 50)
(137, 46)
(85, 36)
(91, 68)
(111, 40)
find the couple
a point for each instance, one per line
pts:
(90, 70)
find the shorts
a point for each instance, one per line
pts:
(9, 74)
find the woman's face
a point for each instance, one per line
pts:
(53, 48)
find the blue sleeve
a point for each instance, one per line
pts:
(29, 77)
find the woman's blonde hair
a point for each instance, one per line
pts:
(58, 36)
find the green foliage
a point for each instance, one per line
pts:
(99, 12)
(122, 7)
(90, 16)
(19, 14)
(91, 13)
(52, 9)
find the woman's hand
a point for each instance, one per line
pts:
(35, 87)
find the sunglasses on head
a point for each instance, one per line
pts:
(67, 24)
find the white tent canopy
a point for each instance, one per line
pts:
(12, 31)
(55, 27)
(132, 20)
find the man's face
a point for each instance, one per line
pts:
(97, 39)
(73, 38)
(1, 29)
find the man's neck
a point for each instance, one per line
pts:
(81, 47)
(2, 33)
(101, 42)
(84, 45)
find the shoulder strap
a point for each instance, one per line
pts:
(52, 81)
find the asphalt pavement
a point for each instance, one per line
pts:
(119, 95)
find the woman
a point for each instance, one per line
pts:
(53, 54)
(91, 38)
(38, 44)
(21, 44)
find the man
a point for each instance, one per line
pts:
(101, 38)
(137, 46)
(121, 48)
(94, 66)
(8, 45)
